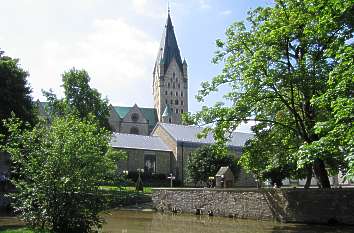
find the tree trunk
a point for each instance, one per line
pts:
(321, 174)
(308, 176)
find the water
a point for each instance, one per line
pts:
(152, 222)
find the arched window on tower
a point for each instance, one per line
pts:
(134, 130)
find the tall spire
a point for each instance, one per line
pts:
(168, 46)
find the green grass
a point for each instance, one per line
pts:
(147, 190)
(21, 230)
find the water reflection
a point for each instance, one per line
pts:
(151, 222)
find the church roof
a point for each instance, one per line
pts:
(168, 47)
(149, 113)
(167, 111)
(133, 141)
(188, 134)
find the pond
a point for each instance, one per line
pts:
(118, 221)
(153, 222)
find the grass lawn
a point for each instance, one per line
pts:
(21, 230)
(147, 190)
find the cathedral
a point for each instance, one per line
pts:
(170, 91)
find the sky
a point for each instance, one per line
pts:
(115, 41)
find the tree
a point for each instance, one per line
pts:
(80, 98)
(205, 162)
(59, 168)
(276, 64)
(337, 131)
(15, 92)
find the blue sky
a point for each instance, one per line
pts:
(116, 41)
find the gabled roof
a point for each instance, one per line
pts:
(168, 47)
(188, 134)
(149, 113)
(133, 141)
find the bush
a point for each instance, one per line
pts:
(56, 170)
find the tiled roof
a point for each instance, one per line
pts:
(187, 133)
(149, 113)
(133, 141)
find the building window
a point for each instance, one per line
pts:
(176, 110)
(176, 93)
(135, 117)
(181, 93)
(165, 92)
(174, 74)
(179, 85)
(171, 93)
(173, 85)
(168, 85)
(149, 163)
(169, 119)
(166, 101)
(181, 102)
(171, 101)
(176, 102)
(134, 130)
(181, 110)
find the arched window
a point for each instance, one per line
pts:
(134, 130)
(181, 93)
(135, 117)
(168, 85)
(176, 102)
(181, 102)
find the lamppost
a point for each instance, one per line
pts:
(139, 183)
(171, 178)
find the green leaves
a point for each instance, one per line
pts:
(80, 99)
(279, 65)
(57, 170)
(206, 161)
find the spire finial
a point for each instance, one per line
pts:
(168, 6)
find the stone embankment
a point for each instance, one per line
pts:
(285, 205)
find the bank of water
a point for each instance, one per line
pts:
(129, 221)
(119, 221)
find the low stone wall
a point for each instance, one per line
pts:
(285, 205)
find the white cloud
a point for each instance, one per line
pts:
(119, 58)
(149, 8)
(226, 12)
(204, 4)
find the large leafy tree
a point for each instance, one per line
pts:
(206, 161)
(14, 92)
(58, 171)
(276, 64)
(80, 99)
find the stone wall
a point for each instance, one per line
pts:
(284, 205)
(135, 161)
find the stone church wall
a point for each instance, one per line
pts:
(135, 161)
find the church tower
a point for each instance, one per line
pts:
(170, 79)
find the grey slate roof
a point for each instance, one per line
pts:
(133, 141)
(188, 134)
(168, 47)
(222, 171)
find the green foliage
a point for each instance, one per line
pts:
(80, 99)
(15, 92)
(276, 64)
(58, 171)
(206, 162)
